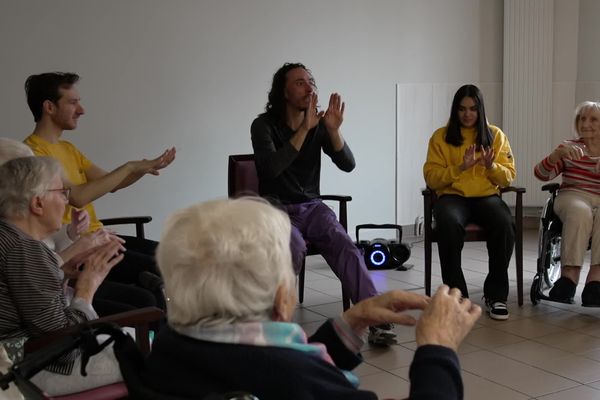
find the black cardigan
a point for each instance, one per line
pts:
(192, 368)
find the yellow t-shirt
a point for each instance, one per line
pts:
(74, 163)
(442, 172)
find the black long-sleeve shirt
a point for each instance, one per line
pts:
(285, 174)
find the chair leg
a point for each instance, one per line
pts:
(345, 299)
(428, 266)
(519, 264)
(519, 247)
(301, 281)
(142, 338)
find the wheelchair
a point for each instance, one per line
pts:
(548, 262)
(549, 239)
(130, 359)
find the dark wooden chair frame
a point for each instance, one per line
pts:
(474, 233)
(233, 191)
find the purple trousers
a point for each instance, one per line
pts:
(317, 224)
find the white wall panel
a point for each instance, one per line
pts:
(528, 87)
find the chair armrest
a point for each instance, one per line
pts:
(551, 187)
(515, 189)
(335, 197)
(137, 221)
(343, 206)
(139, 319)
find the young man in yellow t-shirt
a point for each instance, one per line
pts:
(56, 106)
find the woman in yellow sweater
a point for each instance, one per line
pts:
(468, 161)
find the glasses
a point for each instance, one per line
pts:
(66, 192)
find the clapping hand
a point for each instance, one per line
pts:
(311, 116)
(334, 116)
(487, 157)
(153, 166)
(85, 246)
(470, 158)
(80, 221)
(447, 319)
(385, 308)
(570, 152)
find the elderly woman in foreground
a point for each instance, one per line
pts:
(576, 204)
(32, 294)
(228, 273)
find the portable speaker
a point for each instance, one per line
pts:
(383, 253)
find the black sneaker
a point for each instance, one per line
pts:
(382, 335)
(497, 309)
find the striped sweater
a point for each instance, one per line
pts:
(32, 300)
(576, 174)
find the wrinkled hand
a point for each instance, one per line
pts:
(470, 158)
(311, 116)
(385, 308)
(95, 266)
(80, 222)
(95, 239)
(334, 116)
(447, 319)
(85, 246)
(569, 152)
(487, 157)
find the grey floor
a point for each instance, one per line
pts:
(549, 352)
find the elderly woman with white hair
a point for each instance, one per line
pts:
(72, 240)
(576, 204)
(228, 274)
(32, 299)
(64, 241)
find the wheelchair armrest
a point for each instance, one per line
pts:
(137, 221)
(551, 187)
(138, 319)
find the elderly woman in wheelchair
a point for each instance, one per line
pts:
(33, 289)
(576, 205)
(228, 273)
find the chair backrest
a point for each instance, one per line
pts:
(242, 176)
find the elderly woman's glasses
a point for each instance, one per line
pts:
(66, 192)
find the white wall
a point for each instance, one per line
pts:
(588, 67)
(195, 73)
(566, 37)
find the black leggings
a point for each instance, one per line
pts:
(138, 257)
(114, 297)
(126, 290)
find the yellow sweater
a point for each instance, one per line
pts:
(442, 172)
(74, 164)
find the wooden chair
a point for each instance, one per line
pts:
(243, 181)
(474, 233)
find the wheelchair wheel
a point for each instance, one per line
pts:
(551, 258)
